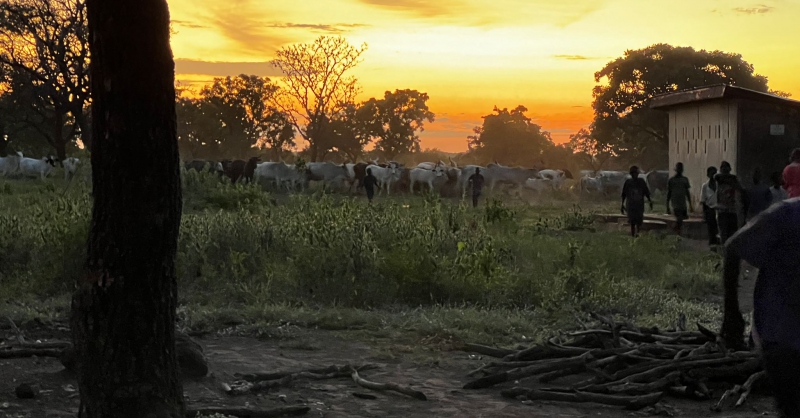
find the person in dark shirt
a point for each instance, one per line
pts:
(758, 196)
(634, 191)
(777, 190)
(708, 198)
(770, 243)
(477, 185)
(728, 189)
(678, 195)
(369, 184)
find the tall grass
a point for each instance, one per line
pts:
(238, 249)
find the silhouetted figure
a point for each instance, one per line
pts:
(708, 198)
(728, 189)
(770, 243)
(634, 191)
(678, 195)
(370, 182)
(477, 185)
(759, 196)
(777, 190)
(791, 175)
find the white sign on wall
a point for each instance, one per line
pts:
(777, 130)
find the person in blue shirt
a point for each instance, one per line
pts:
(771, 243)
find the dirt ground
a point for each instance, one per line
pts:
(438, 374)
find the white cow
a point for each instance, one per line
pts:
(496, 173)
(430, 166)
(71, 167)
(589, 184)
(10, 164)
(331, 174)
(422, 175)
(540, 185)
(558, 177)
(32, 167)
(386, 176)
(279, 173)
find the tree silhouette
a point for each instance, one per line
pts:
(316, 85)
(623, 117)
(123, 311)
(591, 151)
(401, 114)
(46, 42)
(509, 137)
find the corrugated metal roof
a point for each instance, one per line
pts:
(716, 92)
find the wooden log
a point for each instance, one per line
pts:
(488, 351)
(523, 372)
(728, 393)
(47, 344)
(659, 385)
(30, 352)
(286, 411)
(660, 371)
(343, 370)
(629, 402)
(381, 387)
(736, 371)
(748, 386)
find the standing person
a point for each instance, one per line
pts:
(370, 182)
(728, 188)
(634, 191)
(759, 197)
(791, 175)
(477, 184)
(678, 195)
(708, 198)
(769, 243)
(777, 190)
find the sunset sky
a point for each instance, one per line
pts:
(470, 55)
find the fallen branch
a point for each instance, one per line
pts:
(629, 402)
(343, 370)
(748, 386)
(286, 411)
(30, 352)
(523, 372)
(488, 351)
(381, 387)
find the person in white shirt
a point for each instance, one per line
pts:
(708, 198)
(777, 190)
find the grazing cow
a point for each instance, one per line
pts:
(70, 167)
(234, 170)
(657, 180)
(590, 184)
(10, 164)
(386, 175)
(331, 174)
(32, 167)
(587, 173)
(612, 181)
(250, 168)
(356, 172)
(540, 185)
(280, 173)
(556, 176)
(430, 166)
(422, 175)
(200, 165)
(496, 173)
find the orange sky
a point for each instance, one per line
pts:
(470, 55)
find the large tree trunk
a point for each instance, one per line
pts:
(86, 130)
(123, 313)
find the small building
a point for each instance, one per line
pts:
(749, 129)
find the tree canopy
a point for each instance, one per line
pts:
(510, 137)
(401, 114)
(623, 118)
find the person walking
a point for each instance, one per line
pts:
(728, 189)
(678, 196)
(770, 243)
(791, 175)
(370, 182)
(634, 191)
(477, 185)
(759, 197)
(708, 198)
(777, 190)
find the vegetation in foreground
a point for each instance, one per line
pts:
(417, 266)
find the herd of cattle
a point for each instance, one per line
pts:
(15, 165)
(446, 179)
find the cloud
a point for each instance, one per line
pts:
(223, 68)
(240, 21)
(754, 10)
(188, 24)
(422, 8)
(333, 28)
(570, 57)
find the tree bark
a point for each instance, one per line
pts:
(123, 312)
(59, 142)
(86, 130)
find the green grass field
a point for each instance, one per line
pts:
(414, 265)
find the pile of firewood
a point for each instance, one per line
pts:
(621, 364)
